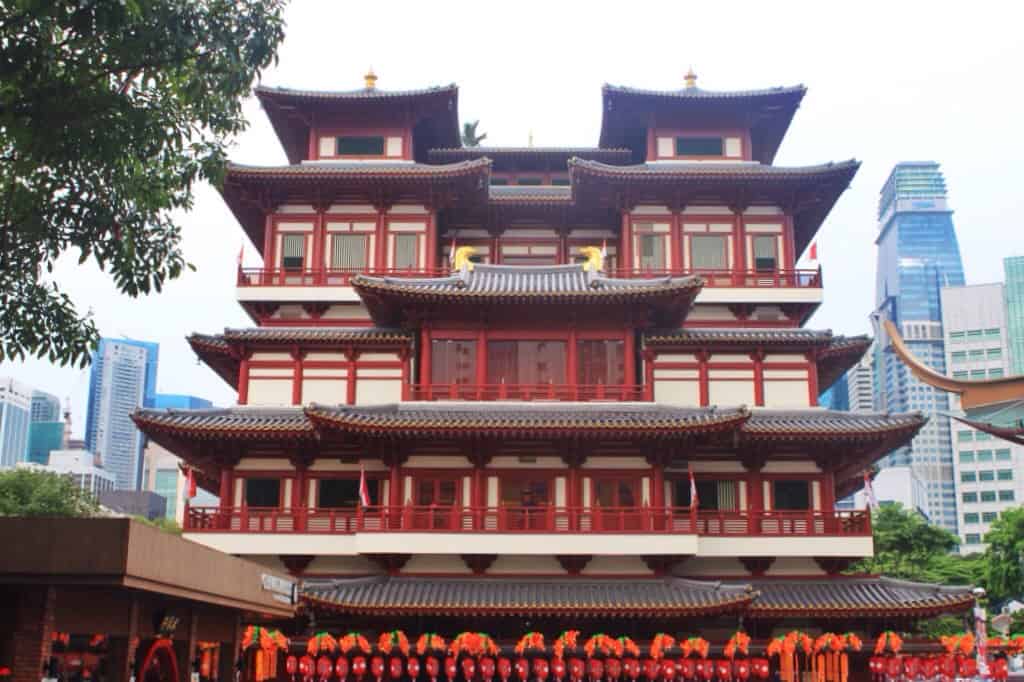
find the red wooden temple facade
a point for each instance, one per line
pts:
(528, 409)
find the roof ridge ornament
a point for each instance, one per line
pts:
(370, 79)
(595, 258)
(462, 261)
(691, 79)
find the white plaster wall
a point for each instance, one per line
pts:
(611, 565)
(786, 394)
(731, 392)
(328, 391)
(536, 565)
(269, 392)
(436, 563)
(264, 464)
(378, 392)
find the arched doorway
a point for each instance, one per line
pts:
(160, 663)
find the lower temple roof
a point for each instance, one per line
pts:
(579, 596)
(834, 596)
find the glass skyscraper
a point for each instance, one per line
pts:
(15, 416)
(123, 378)
(918, 254)
(1013, 271)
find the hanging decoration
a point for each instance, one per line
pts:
(321, 642)
(959, 644)
(661, 644)
(531, 642)
(353, 641)
(830, 662)
(474, 644)
(626, 646)
(394, 639)
(739, 643)
(567, 641)
(890, 641)
(695, 646)
(267, 643)
(431, 641)
(97, 640)
(793, 651)
(602, 645)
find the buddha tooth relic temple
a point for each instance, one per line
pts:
(513, 390)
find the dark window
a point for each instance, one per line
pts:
(652, 252)
(765, 257)
(407, 247)
(526, 362)
(708, 252)
(560, 181)
(524, 492)
(352, 145)
(1004, 496)
(439, 491)
(293, 251)
(712, 495)
(792, 495)
(530, 181)
(344, 492)
(262, 492)
(499, 181)
(348, 251)
(610, 492)
(452, 361)
(699, 146)
(600, 362)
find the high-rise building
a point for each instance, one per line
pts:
(171, 401)
(860, 393)
(989, 473)
(45, 407)
(43, 438)
(917, 255)
(123, 379)
(1013, 274)
(15, 416)
(162, 472)
(836, 396)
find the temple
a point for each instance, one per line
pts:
(512, 389)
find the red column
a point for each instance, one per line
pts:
(758, 358)
(225, 488)
(268, 242)
(629, 350)
(652, 147)
(675, 256)
(424, 371)
(626, 245)
(702, 377)
(648, 375)
(788, 245)
(658, 485)
(395, 491)
(431, 260)
(481, 356)
(314, 145)
(319, 245)
(739, 264)
(350, 386)
(380, 255)
(572, 374)
(812, 378)
(299, 497)
(297, 377)
(243, 381)
(755, 500)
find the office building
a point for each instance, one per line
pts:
(45, 407)
(1013, 279)
(860, 392)
(123, 379)
(917, 255)
(79, 465)
(44, 438)
(15, 416)
(989, 472)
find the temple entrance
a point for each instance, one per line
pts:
(160, 664)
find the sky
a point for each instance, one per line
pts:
(887, 82)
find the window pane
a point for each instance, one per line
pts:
(337, 493)
(1003, 455)
(970, 497)
(792, 495)
(499, 181)
(524, 492)
(970, 518)
(526, 362)
(967, 476)
(530, 181)
(988, 496)
(989, 517)
(972, 539)
(708, 252)
(966, 456)
(406, 251)
(293, 251)
(1006, 496)
(452, 361)
(764, 253)
(262, 492)
(699, 146)
(600, 362)
(986, 475)
(348, 251)
(352, 145)
(652, 252)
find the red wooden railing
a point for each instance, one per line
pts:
(537, 519)
(305, 277)
(535, 392)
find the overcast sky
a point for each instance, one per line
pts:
(888, 81)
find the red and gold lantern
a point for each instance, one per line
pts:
(433, 668)
(651, 669)
(576, 669)
(558, 669)
(504, 669)
(893, 666)
(968, 666)
(541, 669)
(324, 667)
(742, 669)
(291, 665)
(359, 667)
(341, 668)
(613, 669)
(451, 668)
(595, 668)
(999, 670)
(760, 668)
(487, 668)
(468, 668)
(669, 669)
(412, 666)
(687, 668)
(723, 669)
(395, 667)
(306, 666)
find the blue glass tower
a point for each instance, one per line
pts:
(918, 254)
(122, 378)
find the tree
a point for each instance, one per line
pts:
(469, 136)
(24, 492)
(908, 547)
(1004, 571)
(163, 523)
(110, 111)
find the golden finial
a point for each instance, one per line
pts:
(371, 79)
(529, 139)
(595, 258)
(691, 79)
(462, 255)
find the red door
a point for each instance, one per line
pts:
(617, 503)
(436, 502)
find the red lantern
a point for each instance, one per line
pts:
(395, 667)
(613, 669)
(687, 668)
(947, 665)
(324, 667)
(999, 669)
(558, 669)
(930, 667)
(708, 671)
(487, 668)
(504, 669)
(742, 669)
(413, 667)
(893, 666)
(433, 667)
(306, 665)
(575, 669)
(760, 667)
(723, 669)
(341, 668)
(291, 664)
(450, 668)
(541, 669)
(359, 667)
(911, 666)
(377, 667)
(669, 669)
(631, 667)
(595, 668)
(968, 667)
(468, 668)
(651, 669)
(876, 664)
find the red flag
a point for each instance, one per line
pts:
(241, 254)
(869, 492)
(190, 482)
(364, 491)
(814, 251)
(694, 497)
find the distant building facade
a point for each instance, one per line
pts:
(918, 254)
(123, 379)
(171, 401)
(896, 485)
(989, 472)
(1013, 274)
(15, 416)
(143, 503)
(44, 438)
(860, 379)
(45, 407)
(79, 465)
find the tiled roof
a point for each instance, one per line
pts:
(241, 422)
(530, 193)
(697, 171)
(734, 336)
(776, 425)
(577, 596)
(702, 94)
(265, 91)
(527, 420)
(856, 597)
(835, 359)
(360, 169)
(315, 335)
(216, 353)
(527, 158)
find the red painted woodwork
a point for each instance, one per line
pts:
(528, 392)
(533, 519)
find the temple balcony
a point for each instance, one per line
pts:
(550, 392)
(532, 531)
